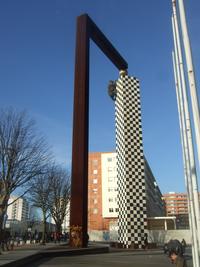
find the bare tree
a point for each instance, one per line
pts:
(40, 195)
(22, 154)
(60, 196)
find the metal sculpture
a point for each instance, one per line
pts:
(86, 30)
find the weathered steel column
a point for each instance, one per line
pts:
(79, 188)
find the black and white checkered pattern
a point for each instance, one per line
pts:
(130, 163)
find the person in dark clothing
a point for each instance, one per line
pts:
(176, 246)
(183, 243)
(145, 241)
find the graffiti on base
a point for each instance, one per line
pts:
(76, 236)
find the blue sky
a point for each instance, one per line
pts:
(37, 50)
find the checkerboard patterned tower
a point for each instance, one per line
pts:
(130, 163)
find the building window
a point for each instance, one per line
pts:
(110, 179)
(95, 211)
(116, 210)
(94, 190)
(94, 171)
(110, 189)
(110, 199)
(95, 201)
(94, 162)
(111, 210)
(94, 181)
(109, 159)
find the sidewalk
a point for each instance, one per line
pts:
(54, 255)
(25, 254)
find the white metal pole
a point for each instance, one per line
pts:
(185, 154)
(191, 75)
(188, 125)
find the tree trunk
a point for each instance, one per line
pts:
(2, 215)
(44, 229)
(1, 234)
(3, 208)
(59, 227)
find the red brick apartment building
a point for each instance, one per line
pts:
(176, 203)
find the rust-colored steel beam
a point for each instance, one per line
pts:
(86, 29)
(105, 45)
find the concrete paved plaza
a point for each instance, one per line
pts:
(55, 255)
(112, 259)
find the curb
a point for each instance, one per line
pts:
(23, 261)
